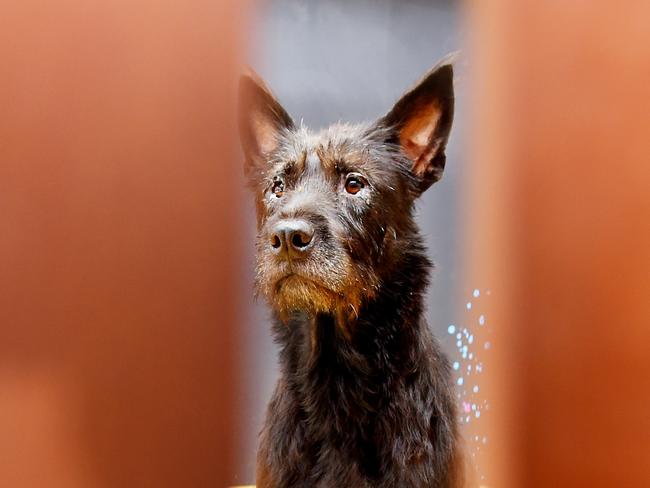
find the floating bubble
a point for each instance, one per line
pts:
(468, 361)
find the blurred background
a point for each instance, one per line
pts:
(132, 352)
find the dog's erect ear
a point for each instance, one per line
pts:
(420, 123)
(261, 121)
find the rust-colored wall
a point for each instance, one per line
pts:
(118, 242)
(560, 224)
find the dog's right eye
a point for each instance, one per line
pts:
(353, 184)
(278, 188)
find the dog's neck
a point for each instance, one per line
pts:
(373, 349)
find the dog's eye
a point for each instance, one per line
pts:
(278, 187)
(353, 184)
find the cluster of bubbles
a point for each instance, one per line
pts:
(467, 367)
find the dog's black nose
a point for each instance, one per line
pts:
(292, 238)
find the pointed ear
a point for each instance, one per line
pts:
(420, 123)
(261, 122)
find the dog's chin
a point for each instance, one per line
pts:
(297, 293)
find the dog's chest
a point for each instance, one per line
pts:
(352, 414)
(324, 454)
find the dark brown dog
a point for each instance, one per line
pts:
(365, 398)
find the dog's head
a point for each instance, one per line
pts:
(332, 206)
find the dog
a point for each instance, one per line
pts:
(365, 397)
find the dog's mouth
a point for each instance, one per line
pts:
(322, 283)
(295, 291)
(294, 279)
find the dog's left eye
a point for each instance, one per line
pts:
(353, 184)
(278, 188)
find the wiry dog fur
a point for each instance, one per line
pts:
(364, 398)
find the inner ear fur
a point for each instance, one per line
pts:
(420, 123)
(261, 121)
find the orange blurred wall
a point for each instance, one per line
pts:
(560, 226)
(118, 242)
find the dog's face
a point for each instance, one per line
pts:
(332, 206)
